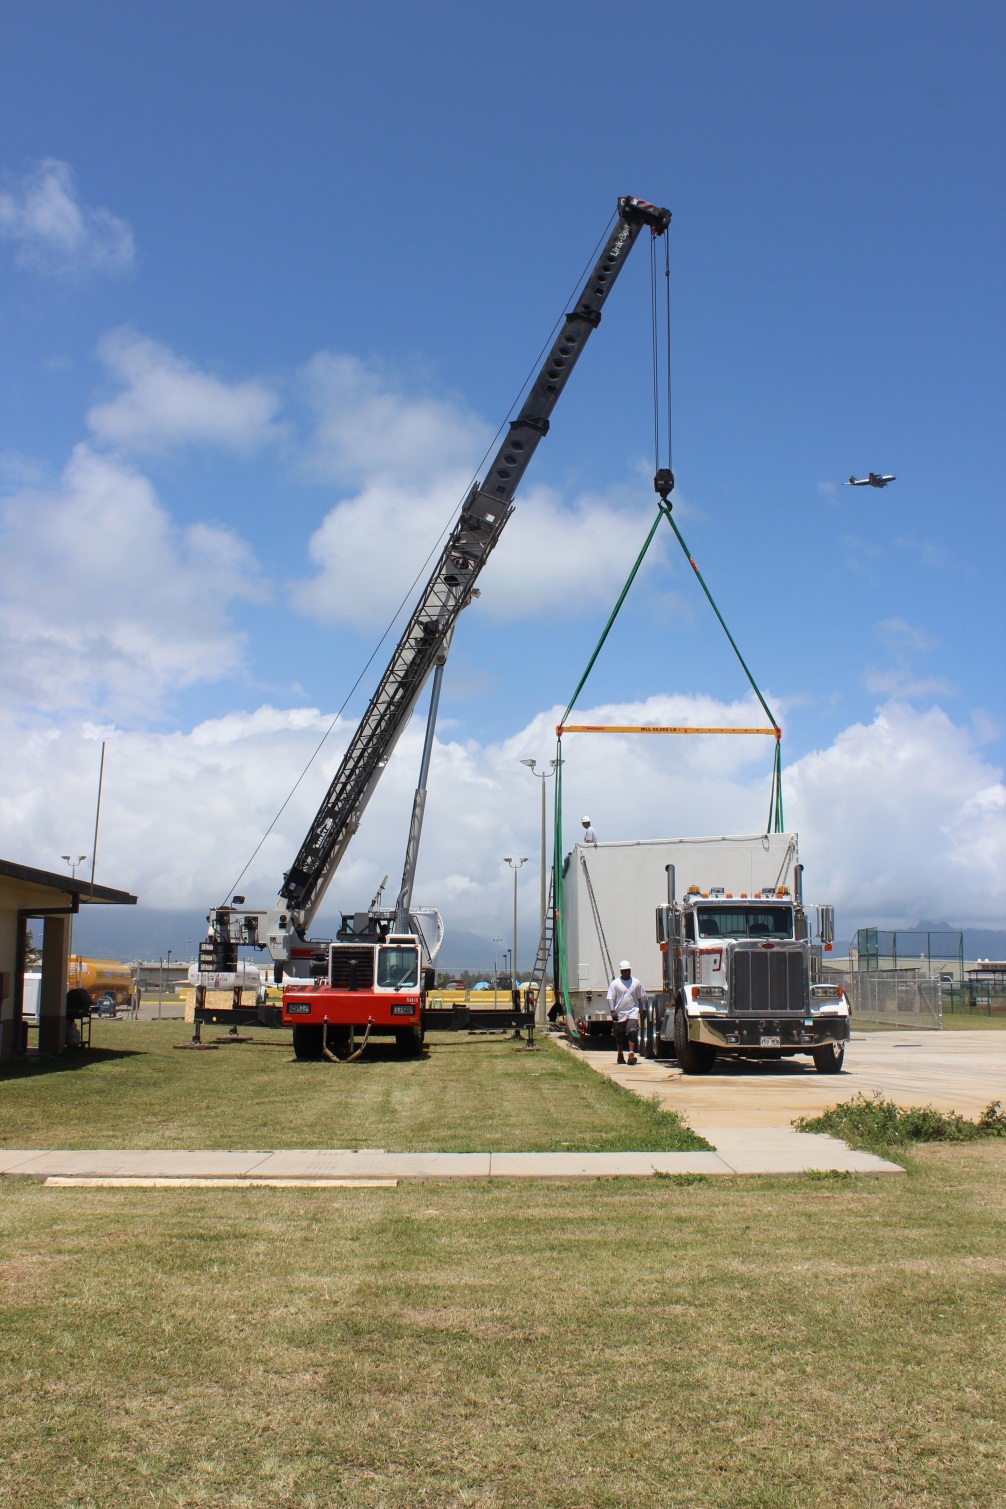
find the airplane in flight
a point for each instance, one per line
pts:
(872, 479)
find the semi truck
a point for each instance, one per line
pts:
(730, 968)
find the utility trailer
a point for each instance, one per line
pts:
(730, 967)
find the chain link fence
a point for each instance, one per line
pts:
(892, 998)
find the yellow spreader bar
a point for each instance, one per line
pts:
(653, 728)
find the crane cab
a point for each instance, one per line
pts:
(371, 988)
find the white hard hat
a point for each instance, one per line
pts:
(625, 965)
(585, 820)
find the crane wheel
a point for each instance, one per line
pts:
(308, 1040)
(409, 1042)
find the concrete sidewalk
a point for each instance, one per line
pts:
(780, 1151)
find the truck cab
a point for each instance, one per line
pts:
(741, 976)
(370, 985)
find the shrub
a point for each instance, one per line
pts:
(873, 1121)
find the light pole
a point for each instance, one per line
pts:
(73, 863)
(515, 865)
(496, 966)
(543, 776)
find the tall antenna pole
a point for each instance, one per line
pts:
(97, 813)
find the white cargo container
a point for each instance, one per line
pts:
(629, 882)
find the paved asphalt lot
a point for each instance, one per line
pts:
(954, 1071)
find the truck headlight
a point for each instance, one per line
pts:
(828, 1000)
(709, 992)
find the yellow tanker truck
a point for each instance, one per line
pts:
(101, 978)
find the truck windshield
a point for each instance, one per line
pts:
(745, 921)
(397, 967)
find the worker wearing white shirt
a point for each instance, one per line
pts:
(625, 996)
(589, 836)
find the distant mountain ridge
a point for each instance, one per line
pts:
(140, 932)
(120, 932)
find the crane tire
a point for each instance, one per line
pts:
(409, 1042)
(693, 1058)
(308, 1040)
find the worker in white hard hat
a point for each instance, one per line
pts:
(589, 836)
(625, 996)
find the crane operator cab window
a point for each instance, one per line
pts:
(745, 921)
(397, 967)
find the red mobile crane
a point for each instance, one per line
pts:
(376, 974)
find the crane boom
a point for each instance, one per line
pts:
(484, 514)
(450, 588)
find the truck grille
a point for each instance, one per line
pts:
(352, 968)
(765, 981)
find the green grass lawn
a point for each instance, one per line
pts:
(952, 1022)
(757, 1344)
(131, 1089)
(969, 1021)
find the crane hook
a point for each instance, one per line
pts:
(663, 483)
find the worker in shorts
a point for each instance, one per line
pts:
(625, 996)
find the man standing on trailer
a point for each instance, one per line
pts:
(589, 836)
(625, 996)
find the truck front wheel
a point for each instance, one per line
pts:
(693, 1058)
(828, 1059)
(307, 1040)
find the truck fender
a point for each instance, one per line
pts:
(683, 1002)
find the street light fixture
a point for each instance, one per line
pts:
(543, 776)
(515, 865)
(70, 936)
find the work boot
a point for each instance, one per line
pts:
(632, 1058)
(621, 1057)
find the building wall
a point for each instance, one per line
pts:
(19, 895)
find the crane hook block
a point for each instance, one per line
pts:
(663, 483)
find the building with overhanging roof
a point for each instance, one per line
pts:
(27, 895)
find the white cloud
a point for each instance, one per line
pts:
(412, 459)
(902, 818)
(53, 232)
(905, 642)
(167, 401)
(104, 602)
(898, 819)
(367, 425)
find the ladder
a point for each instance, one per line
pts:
(537, 981)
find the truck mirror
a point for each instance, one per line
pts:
(429, 977)
(826, 925)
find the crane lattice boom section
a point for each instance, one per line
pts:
(449, 589)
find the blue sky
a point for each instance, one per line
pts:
(272, 277)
